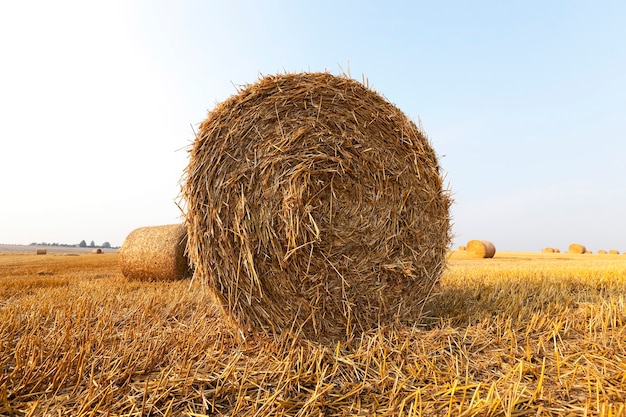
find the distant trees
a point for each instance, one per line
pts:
(82, 244)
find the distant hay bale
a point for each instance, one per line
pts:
(315, 205)
(42, 251)
(577, 248)
(614, 252)
(155, 253)
(551, 250)
(96, 251)
(461, 248)
(602, 252)
(481, 248)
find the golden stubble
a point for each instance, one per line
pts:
(519, 334)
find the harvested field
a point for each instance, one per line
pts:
(518, 334)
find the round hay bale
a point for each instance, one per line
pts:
(577, 248)
(96, 251)
(557, 250)
(155, 253)
(614, 252)
(42, 251)
(313, 205)
(548, 250)
(461, 248)
(481, 248)
(602, 252)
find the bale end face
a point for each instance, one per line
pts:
(481, 248)
(577, 248)
(315, 206)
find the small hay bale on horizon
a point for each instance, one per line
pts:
(155, 253)
(576, 248)
(614, 252)
(602, 252)
(548, 250)
(481, 248)
(462, 248)
(42, 251)
(314, 205)
(96, 251)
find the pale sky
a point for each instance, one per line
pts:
(525, 102)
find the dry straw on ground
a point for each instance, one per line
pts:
(315, 205)
(481, 248)
(577, 248)
(155, 253)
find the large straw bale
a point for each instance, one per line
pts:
(41, 251)
(481, 248)
(315, 205)
(577, 248)
(614, 252)
(155, 253)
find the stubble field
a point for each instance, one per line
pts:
(521, 334)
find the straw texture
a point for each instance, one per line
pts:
(481, 248)
(155, 253)
(314, 205)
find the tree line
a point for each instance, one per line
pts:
(82, 244)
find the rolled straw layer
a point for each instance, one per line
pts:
(155, 253)
(481, 248)
(315, 206)
(577, 248)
